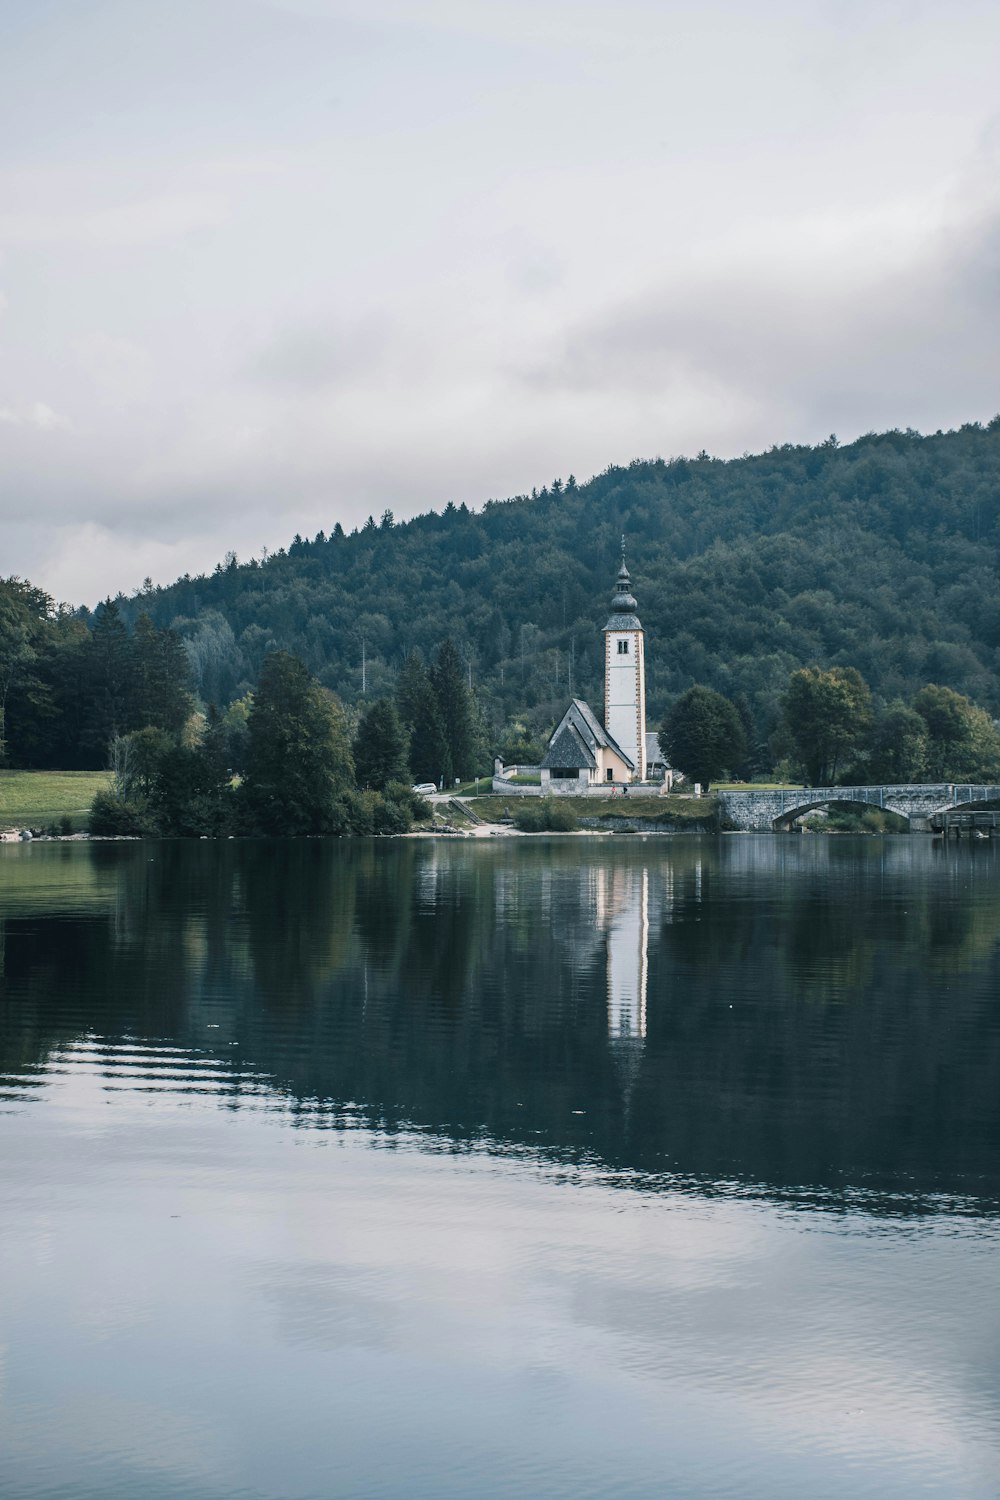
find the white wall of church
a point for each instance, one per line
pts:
(625, 694)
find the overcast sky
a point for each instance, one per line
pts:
(270, 264)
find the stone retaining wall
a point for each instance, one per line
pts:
(576, 789)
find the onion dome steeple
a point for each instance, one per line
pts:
(622, 601)
(623, 605)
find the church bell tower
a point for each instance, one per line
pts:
(625, 674)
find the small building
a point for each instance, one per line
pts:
(658, 768)
(582, 753)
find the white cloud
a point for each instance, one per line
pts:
(396, 254)
(38, 415)
(118, 225)
(46, 420)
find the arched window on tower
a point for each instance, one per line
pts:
(623, 648)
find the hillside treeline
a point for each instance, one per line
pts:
(69, 687)
(879, 555)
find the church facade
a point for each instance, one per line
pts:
(583, 752)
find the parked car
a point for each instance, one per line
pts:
(424, 789)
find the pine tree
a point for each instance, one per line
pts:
(420, 716)
(448, 682)
(380, 747)
(109, 678)
(430, 757)
(299, 759)
(160, 676)
(23, 615)
(412, 687)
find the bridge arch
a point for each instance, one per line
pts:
(828, 800)
(774, 808)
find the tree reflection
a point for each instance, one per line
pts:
(797, 1013)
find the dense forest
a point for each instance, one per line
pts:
(880, 555)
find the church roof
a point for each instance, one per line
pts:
(577, 738)
(567, 747)
(654, 755)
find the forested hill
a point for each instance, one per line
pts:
(881, 555)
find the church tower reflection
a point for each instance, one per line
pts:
(623, 916)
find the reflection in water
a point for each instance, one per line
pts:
(623, 914)
(790, 1012)
(559, 1169)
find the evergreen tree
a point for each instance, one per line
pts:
(109, 675)
(430, 756)
(380, 747)
(448, 682)
(420, 714)
(30, 637)
(298, 759)
(747, 766)
(702, 735)
(412, 687)
(61, 741)
(160, 676)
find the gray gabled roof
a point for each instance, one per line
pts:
(577, 738)
(654, 755)
(568, 748)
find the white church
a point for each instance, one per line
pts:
(583, 753)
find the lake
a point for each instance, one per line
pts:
(550, 1167)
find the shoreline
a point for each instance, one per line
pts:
(482, 833)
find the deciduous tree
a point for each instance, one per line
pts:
(899, 745)
(962, 742)
(828, 715)
(702, 735)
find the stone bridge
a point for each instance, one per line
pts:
(765, 811)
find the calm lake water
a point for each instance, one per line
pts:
(545, 1168)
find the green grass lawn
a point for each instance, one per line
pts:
(652, 809)
(33, 799)
(655, 809)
